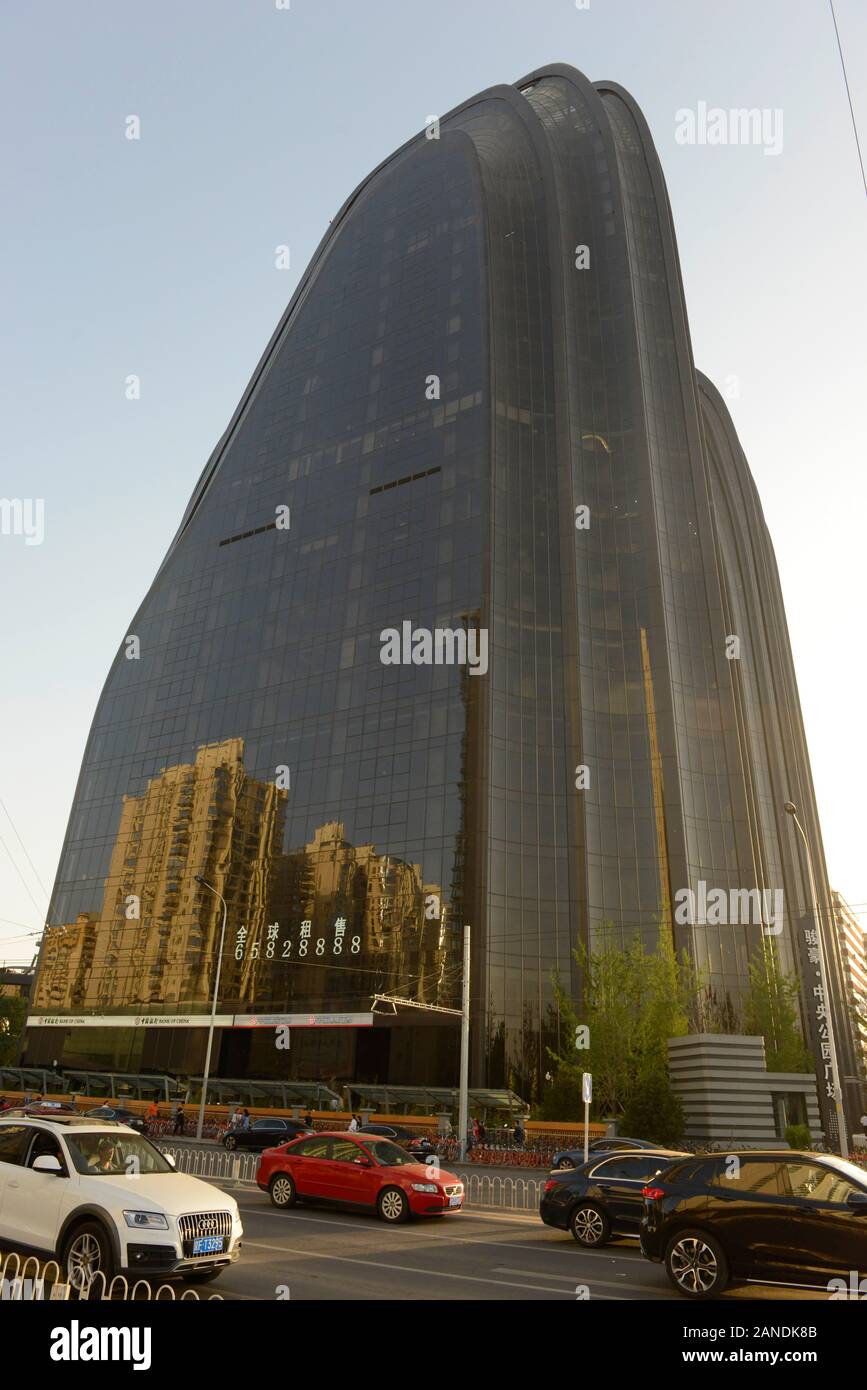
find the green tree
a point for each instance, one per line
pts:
(634, 1000)
(653, 1110)
(772, 1007)
(13, 1011)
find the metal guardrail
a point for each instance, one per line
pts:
(217, 1165)
(496, 1190)
(30, 1280)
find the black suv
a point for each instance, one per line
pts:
(763, 1217)
(602, 1197)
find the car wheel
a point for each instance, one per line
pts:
(230, 1141)
(202, 1276)
(86, 1253)
(281, 1190)
(589, 1225)
(565, 1163)
(696, 1265)
(393, 1205)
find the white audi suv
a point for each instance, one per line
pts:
(100, 1198)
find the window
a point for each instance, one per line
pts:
(45, 1144)
(635, 1169)
(762, 1176)
(344, 1151)
(310, 1148)
(818, 1182)
(99, 1153)
(388, 1155)
(13, 1141)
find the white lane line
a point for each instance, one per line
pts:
(426, 1272)
(591, 1281)
(562, 1247)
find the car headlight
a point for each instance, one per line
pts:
(146, 1220)
(425, 1187)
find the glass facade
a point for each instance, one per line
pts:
(490, 338)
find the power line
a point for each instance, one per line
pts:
(21, 876)
(24, 847)
(848, 93)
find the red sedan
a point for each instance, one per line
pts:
(357, 1171)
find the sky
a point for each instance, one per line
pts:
(155, 257)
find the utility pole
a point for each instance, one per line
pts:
(464, 1097)
(201, 1122)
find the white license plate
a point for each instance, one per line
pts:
(455, 1201)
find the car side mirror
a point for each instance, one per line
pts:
(858, 1200)
(362, 1162)
(47, 1163)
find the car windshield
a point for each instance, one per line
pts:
(388, 1155)
(857, 1175)
(102, 1152)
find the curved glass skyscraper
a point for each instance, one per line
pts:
(479, 416)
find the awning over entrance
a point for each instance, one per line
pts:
(394, 1099)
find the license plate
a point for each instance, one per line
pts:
(455, 1201)
(207, 1245)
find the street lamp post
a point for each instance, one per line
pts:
(842, 1141)
(464, 1094)
(201, 1121)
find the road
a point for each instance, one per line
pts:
(312, 1253)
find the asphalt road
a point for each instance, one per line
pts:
(312, 1253)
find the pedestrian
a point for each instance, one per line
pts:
(179, 1119)
(335, 1103)
(308, 1121)
(519, 1134)
(476, 1135)
(152, 1116)
(483, 1133)
(353, 1125)
(245, 1119)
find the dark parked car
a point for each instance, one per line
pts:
(265, 1134)
(119, 1113)
(573, 1158)
(416, 1144)
(603, 1197)
(771, 1218)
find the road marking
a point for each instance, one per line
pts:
(426, 1272)
(592, 1281)
(562, 1247)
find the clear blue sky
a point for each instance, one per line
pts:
(156, 257)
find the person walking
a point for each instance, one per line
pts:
(353, 1125)
(519, 1133)
(483, 1133)
(245, 1119)
(152, 1116)
(179, 1119)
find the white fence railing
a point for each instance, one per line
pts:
(29, 1279)
(215, 1164)
(499, 1190)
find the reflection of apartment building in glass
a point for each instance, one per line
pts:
(491, 338)
(853, 949)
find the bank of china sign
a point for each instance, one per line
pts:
(200, 1020)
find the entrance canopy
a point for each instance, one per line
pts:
(396, 1099)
